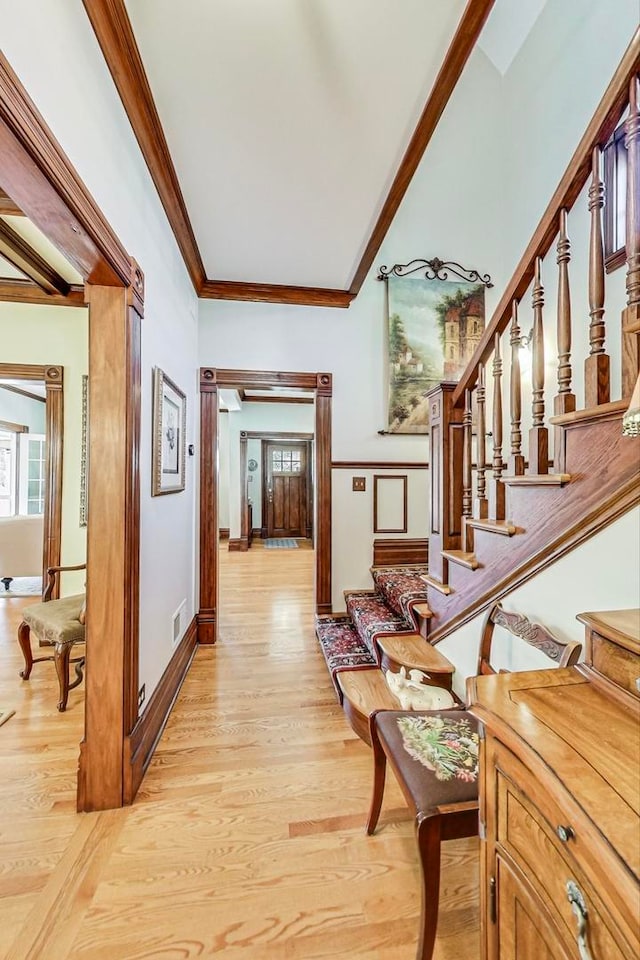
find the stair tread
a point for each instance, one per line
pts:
(463, 557)
(503, 527)
(537, 480)
(415, 653)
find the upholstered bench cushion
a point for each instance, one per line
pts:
(401, 587)
(56, 621)
(436, 751)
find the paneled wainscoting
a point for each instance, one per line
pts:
(247, 833)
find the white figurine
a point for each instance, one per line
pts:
(413, 694)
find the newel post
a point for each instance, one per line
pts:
(445, 462)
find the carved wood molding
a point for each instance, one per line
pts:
(24, 291)
(7, 207)
(600, 128)
(378, 465)
(112, 27)
(39, 177)
(275, 293)
(211, 377)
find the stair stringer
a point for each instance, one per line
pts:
(550, 521)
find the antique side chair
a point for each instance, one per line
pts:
(434, 756)
(59, 624)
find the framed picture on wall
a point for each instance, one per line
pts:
(169, 430)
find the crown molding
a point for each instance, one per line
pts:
(8, 208)
(18, 252)
(113, 30)
(275, 293)
(463, 42)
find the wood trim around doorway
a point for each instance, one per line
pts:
(52, 376)
(212, 379)
(40, 179)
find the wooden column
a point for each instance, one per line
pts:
(516, 459)
(596, 366)
(445, 456)
(565, 400)
(207, 621)
(481, 504)
(631, 313)
(467, 481)
(113, 534)
(54, 432)
(324, 389)
(539, 434)
(496, 486)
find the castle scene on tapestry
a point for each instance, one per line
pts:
(434, 326)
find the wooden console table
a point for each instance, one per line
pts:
(560, 803)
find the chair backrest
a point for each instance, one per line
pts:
(562, 654)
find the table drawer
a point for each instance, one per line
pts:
(620, 666)
(531, 842)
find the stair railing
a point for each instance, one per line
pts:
(456, 505)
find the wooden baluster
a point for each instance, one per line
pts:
(481, 506)
(596, 366)
(631, 313)
(467, 490)
(538, 435)
(496, 488)
(516, 459)
(565, 400)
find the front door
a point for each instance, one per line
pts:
(286, 488)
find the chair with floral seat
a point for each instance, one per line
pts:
(59, 624)
(434, 755)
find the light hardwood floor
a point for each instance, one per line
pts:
(246, 839)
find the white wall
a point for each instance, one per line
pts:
(16, 408)
(56, 335)
(52, 48)
(350, 343)
(602, 574)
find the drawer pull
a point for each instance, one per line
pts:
(579, 907)
(565, 833)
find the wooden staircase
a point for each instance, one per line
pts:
(496, 519)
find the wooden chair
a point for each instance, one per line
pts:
(434, 755)
(59, 624)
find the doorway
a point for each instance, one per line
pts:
(317, 520)
(286, 489)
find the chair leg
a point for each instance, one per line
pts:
(61, 658)
(379, 772)
(24, 639)
(428, 836)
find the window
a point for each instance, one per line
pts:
(22, 473)
(286, 461)
(615, 200)
(32, 473)
(8, 473)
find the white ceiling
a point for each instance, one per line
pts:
(287, 121)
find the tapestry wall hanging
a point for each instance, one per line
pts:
(435, 317)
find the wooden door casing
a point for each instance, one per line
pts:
(286, 487)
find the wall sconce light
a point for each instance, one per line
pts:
(631, 419)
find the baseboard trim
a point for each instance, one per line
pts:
(238, 544)
(207, 626)
(223, 533)
(256, 533)
(324, 609)
(392, 552)
(141, 743)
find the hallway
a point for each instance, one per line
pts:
(247, 835)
